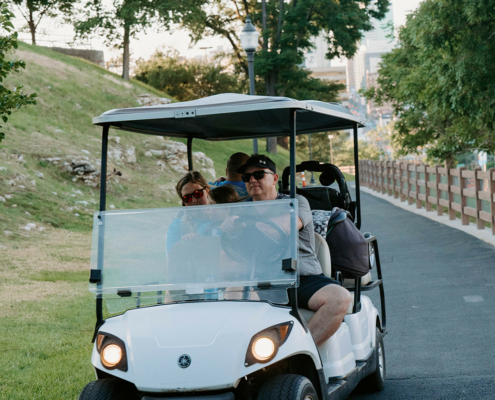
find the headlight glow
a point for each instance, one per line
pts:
(263, 348)
(111, 355)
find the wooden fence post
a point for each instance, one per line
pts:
(427, 189)
(438, 181)
(480, 224)
(491, 191)
(383, 165)
(377, 176)
(462, 186)
(450, 194)
(403, 167)
(410, 182)
(396, 181)
(419, 202)
(390, 178)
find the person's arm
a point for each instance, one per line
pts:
(304, 213)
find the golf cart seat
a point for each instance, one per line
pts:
(322, 197)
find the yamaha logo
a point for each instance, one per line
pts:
(184, 361)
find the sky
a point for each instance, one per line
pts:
(53, 33)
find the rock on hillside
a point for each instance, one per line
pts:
(171, 157)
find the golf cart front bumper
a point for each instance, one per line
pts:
(223, 396)
(214, 336)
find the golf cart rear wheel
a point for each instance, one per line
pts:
(376, 381)
(109, 389)
(288, 387)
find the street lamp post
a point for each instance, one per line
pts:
(249, 42)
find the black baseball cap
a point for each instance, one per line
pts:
(258, 160)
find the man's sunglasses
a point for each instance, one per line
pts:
(256, 175)
(197, 194)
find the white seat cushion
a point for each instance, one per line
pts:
(323, 255)
(364, 280)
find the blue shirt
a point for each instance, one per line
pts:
(239, 186)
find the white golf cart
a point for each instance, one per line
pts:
(215, 316)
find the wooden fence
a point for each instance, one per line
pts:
(350, 169)
(457, 190)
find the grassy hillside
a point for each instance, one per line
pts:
(70, 92)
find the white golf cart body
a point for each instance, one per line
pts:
(186, 311)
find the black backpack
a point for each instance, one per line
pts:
(349, 249)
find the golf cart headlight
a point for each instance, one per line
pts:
(265, 344)
(111, 355)
(112, 351)
(263, 348)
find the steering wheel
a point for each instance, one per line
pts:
(263, 246)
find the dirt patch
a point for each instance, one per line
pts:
(118, 81)
(57, 68)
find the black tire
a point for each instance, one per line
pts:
(288, 387)
(109, 389)
(376, 381)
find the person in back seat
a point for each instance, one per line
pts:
(233, 178)
(316, 292)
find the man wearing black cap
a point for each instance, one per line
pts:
(316, 292)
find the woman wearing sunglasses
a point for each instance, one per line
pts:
(193, 189)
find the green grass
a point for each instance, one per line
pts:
(46, 348)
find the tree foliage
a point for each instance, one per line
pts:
(33, 11)
(440, 79)
(289, 28)
(342, 148)
(10, 99)
(122, 21)
(185, 79)
(286, 36)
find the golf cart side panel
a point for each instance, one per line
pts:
(155, 338)
(362, 326)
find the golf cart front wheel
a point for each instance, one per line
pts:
(109, 389)
(288, 387)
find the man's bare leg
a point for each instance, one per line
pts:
(330, 303)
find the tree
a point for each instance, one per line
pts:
(10, 99)
(123, 21)
(342, 147)
(440, 79)
(185, 80)
(289, 28)
(34, 11)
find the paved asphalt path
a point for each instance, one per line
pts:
(440, 296)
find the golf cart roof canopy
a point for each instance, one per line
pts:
(231, 116)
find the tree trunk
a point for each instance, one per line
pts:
(283, 141)
(32, 28)
(450, 161)
(126, 57)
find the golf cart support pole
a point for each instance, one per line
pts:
(101, 226)
(292, 158)
(356, 176)
(189, 153)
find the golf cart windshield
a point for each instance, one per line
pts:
(239, 251)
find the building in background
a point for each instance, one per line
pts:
(324, 69)
(362, 73)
